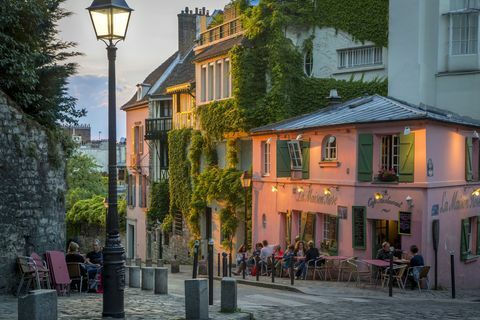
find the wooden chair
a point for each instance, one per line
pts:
(398, 272)
(359, 269)
(75, 273)
(28, 272)
(42, 270)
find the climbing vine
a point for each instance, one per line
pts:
(220, 117)
(195, 152)
(159, 202)
(232, 153)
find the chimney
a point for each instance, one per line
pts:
(334, 98)
(187, 28)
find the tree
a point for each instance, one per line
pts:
(33, 61)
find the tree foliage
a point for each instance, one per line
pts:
(33, 61)
(159, 202)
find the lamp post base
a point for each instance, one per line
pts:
(113, 277)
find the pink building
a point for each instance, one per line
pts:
(372, 169)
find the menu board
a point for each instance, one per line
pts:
(404, 222)
(359, 220)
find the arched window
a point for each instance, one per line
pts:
(329, 148)
(308, 62)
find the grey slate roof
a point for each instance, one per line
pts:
(184, 72)
(366, 109)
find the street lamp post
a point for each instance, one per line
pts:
(110, 20)
(246, 181)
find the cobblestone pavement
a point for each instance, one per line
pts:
(328, 300)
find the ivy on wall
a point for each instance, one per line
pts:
(159, 202)
(195, 152)
(232, 153)
(219, 117)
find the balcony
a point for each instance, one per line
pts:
(157, 128)
(185, 120)
(222, 31)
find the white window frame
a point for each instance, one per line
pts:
(468, 39)
(226, 79)
(218, 80)
(266, 158)
(295, 152)
(203, 83)
(464, 4)
(211, 81)
(330, 152)
(390, 152)
(308, 62)
(359, 57)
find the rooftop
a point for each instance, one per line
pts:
(366, 109)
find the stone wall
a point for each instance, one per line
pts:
(32, 191)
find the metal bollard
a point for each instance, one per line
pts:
(224, 264)
(452, 271)
(219, 264)
(195, 259)
(390, 277)
(273, 267)
(244, 265)
(292, 275)
(210, 272)
(258, 268)
(230, 264)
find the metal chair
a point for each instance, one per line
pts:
(359, 269)
(420, 272)
(398, 272)
(28, 272)
(323, 268)
(76, 274)
(43, 272)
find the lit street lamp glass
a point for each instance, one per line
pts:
(110, 19)
(246, 179)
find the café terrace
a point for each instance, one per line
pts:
(369, 170)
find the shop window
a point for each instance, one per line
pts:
(390, 153)
(470, 238)
(329, 149)
(295, 152)
(308, 62)
(307, 226)
(265, 158)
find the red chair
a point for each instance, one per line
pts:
(43, 272)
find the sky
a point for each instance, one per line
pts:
(151, 39)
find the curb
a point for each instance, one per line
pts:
(270, 285)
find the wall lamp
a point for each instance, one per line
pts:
(409, 201)
(300, 189)
(274, 189)
(380, 195)
(406, 131)
(476, 193)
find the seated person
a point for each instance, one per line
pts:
(93, 263)
(384, 252)
(311, 256)
(415, 261)
(278, 253)
(288, 257)
(266, 251)
(255, 254)
(73, 255)
(242, 251)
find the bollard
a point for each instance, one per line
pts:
(292, 275)
(134, 275)
(174, 265)
(195, 259)
(219, 264)
(244, 265)
(138, 262)
(161, 281)
(210, 272)
(452, 273)
(390, 276)
(258, 268)
(228, 292)
(147, 278)
(224, 264)
(230, 264)
(127, 275)
(273, 267)
(128, 261)
(38, 305)
(148, 262)
(196, 305)
(160, 263)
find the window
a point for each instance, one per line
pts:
(329, 148)
(142, 191)
(464, 33)
(178, 101)
(218, 79)
(131, 190)
(227, 80)
(308, 62)
(464, 4)
(295, 152)
(390, 153)
(138, 140)
(359, 57)
(203, 84)
(265, 158)
(210, 80)
(330, 234)
(470, 238)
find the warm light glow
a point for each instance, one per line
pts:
(327, 191)
(246, 179)
(100, 21)
(274, 189)
(476, 193)
(300, 189)
(110, 19)
(378, 196)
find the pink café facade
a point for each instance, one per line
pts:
(317, 177)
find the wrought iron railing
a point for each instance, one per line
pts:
(157, 128)
(221, 31)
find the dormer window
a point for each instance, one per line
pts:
(139, 93)
(329, 148)
(142, 90)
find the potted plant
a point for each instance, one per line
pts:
(387, 175)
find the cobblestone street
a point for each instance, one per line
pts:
(329, 300)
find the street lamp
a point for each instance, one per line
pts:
(246, 181)
(110, 21)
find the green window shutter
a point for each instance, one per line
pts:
(468, 159)
(463, 240)
(283, 159)
(365, 157)
(406, 158)
(305, 159)
(478, 236)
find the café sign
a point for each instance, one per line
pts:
(309, 196)
(372, 202)
(457, 202)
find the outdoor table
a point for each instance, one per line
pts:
(380, 264)
(336, 263)
(401, 261)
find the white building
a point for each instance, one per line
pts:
(434, 54)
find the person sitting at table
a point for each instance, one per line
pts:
(278, 253)
(93, 264)
(415, 261)
(384, 252)
(288, 256)
(300, 255)
(73, 256)
(242, 251)
(311, 255)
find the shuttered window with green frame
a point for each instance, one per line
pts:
(407, 158)
(283, 159)
(365, 157)
(305, 159)
(467, 237)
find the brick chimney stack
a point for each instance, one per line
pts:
(187, 29)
